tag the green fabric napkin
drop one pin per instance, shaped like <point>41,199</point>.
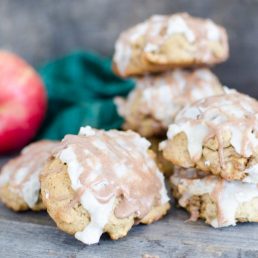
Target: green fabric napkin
<point>81,87</point>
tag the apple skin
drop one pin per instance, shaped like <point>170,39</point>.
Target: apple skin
<point>23,102</point>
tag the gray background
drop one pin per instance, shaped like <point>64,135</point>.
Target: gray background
<point>41,30</point>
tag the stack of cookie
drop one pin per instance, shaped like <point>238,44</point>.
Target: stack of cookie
<point>214,143</point>
<point>212,132</point>
<point>163,54</point>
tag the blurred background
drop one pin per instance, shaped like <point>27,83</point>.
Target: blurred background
<point>46,29</point>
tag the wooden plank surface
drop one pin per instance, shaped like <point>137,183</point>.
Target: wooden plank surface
<point>31,234</point>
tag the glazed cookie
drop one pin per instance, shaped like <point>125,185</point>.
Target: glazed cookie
<point>19,179</point>
<point>219,202</point>
<point>155,101</point>
<point>103,181</point>
<point>165,42</point>
<point>219,135</point>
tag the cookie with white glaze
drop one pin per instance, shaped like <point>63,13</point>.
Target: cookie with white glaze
<point>103,181</point>
<point>152,106</point>
<point>219,202</point>
<point>19,178</point>
<point>164,42</point>
<point>218,135</point>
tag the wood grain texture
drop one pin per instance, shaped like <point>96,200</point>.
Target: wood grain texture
<point>31,234</point>
<point>40,30</point>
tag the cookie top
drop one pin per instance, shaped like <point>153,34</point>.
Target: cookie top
<point>227,195</point>
<point>202,38</point>
<point>104,166</point>
<point>232,114</point>
<point>161,96</point>
<point>21,174</point>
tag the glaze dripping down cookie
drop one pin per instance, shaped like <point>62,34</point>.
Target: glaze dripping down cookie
<point>103,181</point>
<point>219,202</point>
<point>219,135</point>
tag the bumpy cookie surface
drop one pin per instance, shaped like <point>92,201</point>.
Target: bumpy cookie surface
<point>152,106</point>
<point>19,178</point>
<point>219,135</point>
<point>164,42</point>
<point>219,202</point>
<point>103,181</point>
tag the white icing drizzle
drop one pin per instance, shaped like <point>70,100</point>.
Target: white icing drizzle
<point>162,96</point>
<point>213,32</point>
<point>227,195</point>
<point>22,173</point>
<point>104,165</point>
<point>99,213</point>
<point>197,31</point>
<point>217,115</point>
<point>177,25</point>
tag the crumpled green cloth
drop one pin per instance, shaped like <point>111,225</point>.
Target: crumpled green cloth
<point>81,87</point>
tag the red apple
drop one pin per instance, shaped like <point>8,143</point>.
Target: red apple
<point>23,102</point>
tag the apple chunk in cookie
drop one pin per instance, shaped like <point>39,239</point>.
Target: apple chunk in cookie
<point>219,202</point>
<point>164,42</point>
<point>152,106</point>
<point>19,178</point>
<point>219,135</point>
<point>103,181</point>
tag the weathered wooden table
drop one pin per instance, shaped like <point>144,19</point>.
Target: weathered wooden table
<point>31,234</point>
